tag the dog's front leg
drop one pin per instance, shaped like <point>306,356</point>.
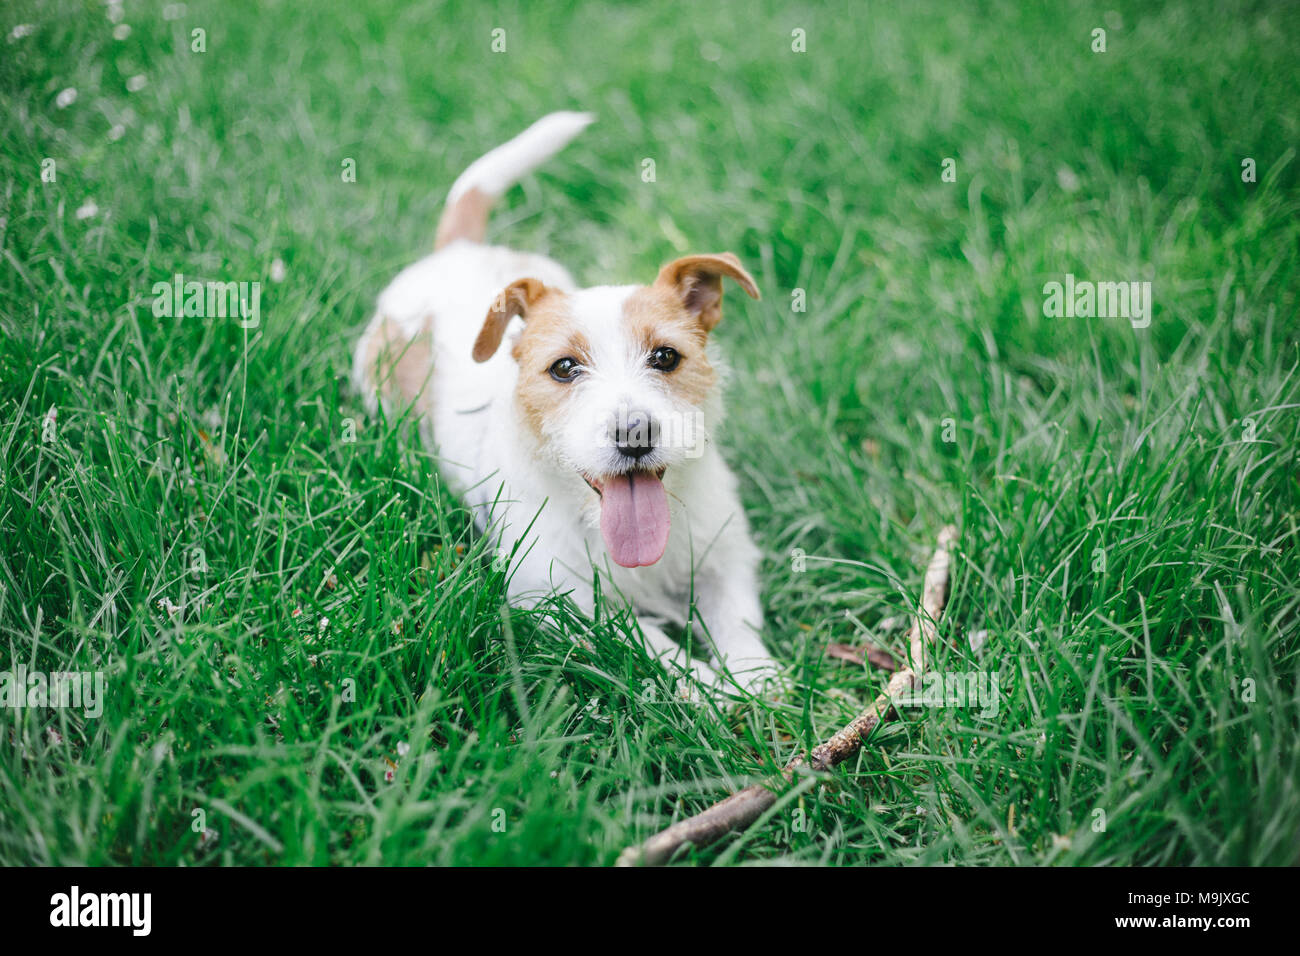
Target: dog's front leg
<point>533,580</point>
<point>670,652</point>
<point>727,602</point>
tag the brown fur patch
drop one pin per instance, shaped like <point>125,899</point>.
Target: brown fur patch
<point>466,218</point>
<point>401,367</point>
<point>518,298</point>
<point>654,316</point>
<point>548,335</point>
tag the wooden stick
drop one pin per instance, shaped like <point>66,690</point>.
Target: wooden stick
<point>741,809</point>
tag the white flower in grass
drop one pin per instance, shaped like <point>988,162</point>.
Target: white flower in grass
<point>87,210</point>
<point>20,31</point>
<point>121,31</point>
<point>66,98</point>
<point>136,83</point>
<point>115,11</point>
<point>1067,179</point>
<point>173,11</point>
<point>278,270</point>
<point>403,748</point>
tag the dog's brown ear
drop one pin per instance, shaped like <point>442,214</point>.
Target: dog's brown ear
<point>697,281</point>
<point>515,299</point>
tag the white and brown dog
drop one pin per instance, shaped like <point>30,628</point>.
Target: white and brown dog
<point>590,435</point>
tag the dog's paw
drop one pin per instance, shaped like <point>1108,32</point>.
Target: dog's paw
<point>761,679</point>
<point>703,680</point>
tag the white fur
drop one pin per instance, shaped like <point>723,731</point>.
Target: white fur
<point>500,169</point>
<point>487,454</point>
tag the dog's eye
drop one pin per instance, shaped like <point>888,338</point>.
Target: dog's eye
<point>565,370</point>
<point>664,358</point>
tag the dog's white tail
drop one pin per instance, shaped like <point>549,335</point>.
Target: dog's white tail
<point>488,177</point>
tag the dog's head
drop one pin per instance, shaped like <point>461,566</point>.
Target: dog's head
<point>615,384</point>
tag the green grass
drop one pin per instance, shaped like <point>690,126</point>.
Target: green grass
<point>1131,555</point>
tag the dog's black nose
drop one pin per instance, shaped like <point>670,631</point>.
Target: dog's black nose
<point>635,434</point>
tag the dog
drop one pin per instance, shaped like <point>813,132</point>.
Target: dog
<point>578,424</point>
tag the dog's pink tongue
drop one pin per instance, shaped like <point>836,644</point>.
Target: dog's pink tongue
<point>634,519</point>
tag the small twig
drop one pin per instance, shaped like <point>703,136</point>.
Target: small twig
<point>877,657</point>
<point>744,807</point>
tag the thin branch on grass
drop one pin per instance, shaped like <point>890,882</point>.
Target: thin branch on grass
<point>741,809</point>
<point>877,657</point>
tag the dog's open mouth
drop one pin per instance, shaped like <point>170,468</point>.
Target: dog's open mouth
<point>633,516</point>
